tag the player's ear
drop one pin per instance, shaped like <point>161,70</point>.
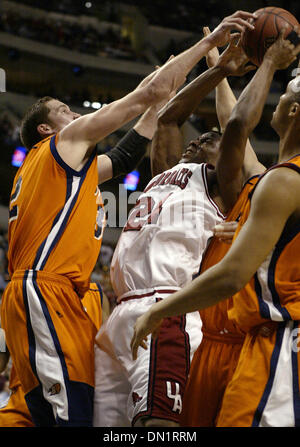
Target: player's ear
<point>44,130</point>
<point>293,109</point>
<point>294,114</point>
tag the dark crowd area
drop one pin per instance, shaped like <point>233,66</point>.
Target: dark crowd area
<point>187,15</point>
<point>84,39</point>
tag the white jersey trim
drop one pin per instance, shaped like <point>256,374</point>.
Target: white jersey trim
<point>214,204</point>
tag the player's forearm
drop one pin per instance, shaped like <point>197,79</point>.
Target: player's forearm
<point>188,99</point>
<point>147,124</point>
<point>128,152</point>
<point>244,118</point>
<point>225,102</point>
<point>205,291</point>
<point>166,148</point>
<point>187,60</point>
<point>249,107</point>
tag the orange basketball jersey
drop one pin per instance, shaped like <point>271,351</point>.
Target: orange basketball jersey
<point>56,216</point>
<point>274,291</point>
<point>13,378</point>
<point>215,318</point>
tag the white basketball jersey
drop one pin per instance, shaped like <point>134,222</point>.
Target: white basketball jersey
<point>167,231</point>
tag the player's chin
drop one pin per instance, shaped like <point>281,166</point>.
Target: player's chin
<point>184,159</point>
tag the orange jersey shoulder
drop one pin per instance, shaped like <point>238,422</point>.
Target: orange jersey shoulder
<point>274,291</point>
<point>56,216</point>
<point>215,318</point>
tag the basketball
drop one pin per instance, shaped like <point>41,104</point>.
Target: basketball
<point>267,27</point>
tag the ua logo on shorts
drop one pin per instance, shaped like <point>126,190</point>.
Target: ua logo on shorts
<point>177,397</point>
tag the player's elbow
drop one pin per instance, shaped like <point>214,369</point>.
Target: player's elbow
<point>241,120</point>
<point>155,92</point>
<point>234,279</point>
<point>237,283</point>
<point>166,123</point>
<point>237,125</point>
<point>172,114</point>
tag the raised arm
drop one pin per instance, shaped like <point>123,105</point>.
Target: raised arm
<point>225,102</point>
<point>77,140</point>
<point>127,154</point>
<point>166,149</point>
<point>262,229</point>
<point>245,116</point>
<point>129,151</point>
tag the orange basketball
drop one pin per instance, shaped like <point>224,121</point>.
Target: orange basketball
<point>267,27</point>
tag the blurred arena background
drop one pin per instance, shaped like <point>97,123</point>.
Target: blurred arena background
<point>89,53</point>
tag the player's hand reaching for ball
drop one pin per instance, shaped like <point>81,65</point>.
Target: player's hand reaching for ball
<point>146,324</point>
<point>236,22</point>
<point>283,53</point>
<point>212,56</point>
<point>234,59</point>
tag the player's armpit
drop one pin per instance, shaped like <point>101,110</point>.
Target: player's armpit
<point>252,165</point>
<point>105,169</point>
<point>78,138</point>
<point>231,159</point>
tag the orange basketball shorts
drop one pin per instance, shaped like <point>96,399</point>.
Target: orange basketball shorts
<point>212,367</point>
<point>16,413</point>
<point>264,390</point>
<point>51,341</point>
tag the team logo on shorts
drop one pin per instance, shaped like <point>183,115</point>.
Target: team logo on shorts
<point>135,398</point>
<point>55,389</point>
<point>176,396</point>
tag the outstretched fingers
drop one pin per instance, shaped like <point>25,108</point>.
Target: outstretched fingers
<point>206,31</point>
<point>225,231</point>
<point>240,24</point>
<point>245,15</point>
<point>137,341</point>
<point>144,326</point>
